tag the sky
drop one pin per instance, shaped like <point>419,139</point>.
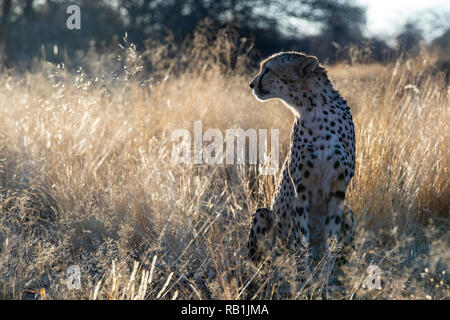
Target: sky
<point>386,17</point>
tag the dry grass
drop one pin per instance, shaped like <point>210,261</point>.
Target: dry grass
<point>86,179</point>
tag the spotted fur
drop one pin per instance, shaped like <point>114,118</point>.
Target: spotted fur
<point>308,204</point>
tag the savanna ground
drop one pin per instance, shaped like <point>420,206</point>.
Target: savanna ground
<point>86,179</point>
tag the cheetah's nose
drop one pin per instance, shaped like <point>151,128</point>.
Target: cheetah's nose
<point>252,85</point>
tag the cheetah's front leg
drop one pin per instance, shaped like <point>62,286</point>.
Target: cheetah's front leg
<point>348,227</point>
<point>258,245</point>
<point>301,231</point>
<point>346,235</point>
<point>333,221</point>
<point>334,218</point>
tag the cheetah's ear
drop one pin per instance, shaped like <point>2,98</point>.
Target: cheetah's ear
<point>307,66</point>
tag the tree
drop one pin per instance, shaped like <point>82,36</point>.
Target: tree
<point>410,38</point>
<point>38,27</point>
<point>341,21</point>
<point>4,32</point>
<point>441,45</point>
<point>34,27</point>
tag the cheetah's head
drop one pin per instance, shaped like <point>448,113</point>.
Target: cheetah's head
<point>284,76</point>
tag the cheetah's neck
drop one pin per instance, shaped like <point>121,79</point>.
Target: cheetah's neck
<point>317,108</point>
<point>313,97</point>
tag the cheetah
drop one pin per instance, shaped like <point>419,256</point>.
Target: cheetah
<point>308,208</point>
